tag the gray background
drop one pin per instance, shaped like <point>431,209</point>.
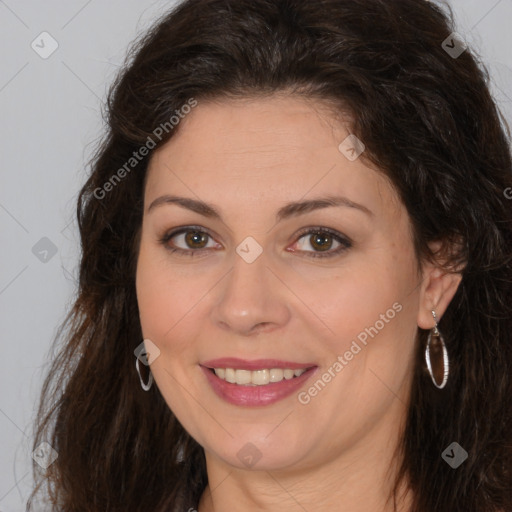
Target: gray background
<point>50,123</point>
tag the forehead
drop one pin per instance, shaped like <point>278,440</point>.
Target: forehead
<point>278,148</point>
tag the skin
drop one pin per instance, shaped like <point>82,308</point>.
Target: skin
<point>248,158</point>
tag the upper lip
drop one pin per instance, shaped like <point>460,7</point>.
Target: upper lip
<point>256,364</point>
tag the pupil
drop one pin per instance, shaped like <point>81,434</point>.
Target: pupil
<point>317,240</point>
<point>195,237</point>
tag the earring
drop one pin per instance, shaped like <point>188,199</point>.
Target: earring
<point>145,387</point>
<point>436,345</point>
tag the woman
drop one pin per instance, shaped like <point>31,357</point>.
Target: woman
<point>295,285</point>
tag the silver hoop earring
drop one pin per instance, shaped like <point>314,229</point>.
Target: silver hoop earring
<point>145,387</point>
<point>436,346</point>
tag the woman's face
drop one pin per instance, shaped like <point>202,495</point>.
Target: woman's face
<point>276,280</point>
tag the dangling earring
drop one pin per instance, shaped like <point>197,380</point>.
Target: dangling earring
<point>436,346</point>
<point>145,387</point>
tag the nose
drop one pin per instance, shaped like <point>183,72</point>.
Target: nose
<point>251,299</point>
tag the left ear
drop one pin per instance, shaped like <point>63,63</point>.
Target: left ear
<point>437,290</point>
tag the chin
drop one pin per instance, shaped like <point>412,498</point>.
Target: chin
<point>259,454</point>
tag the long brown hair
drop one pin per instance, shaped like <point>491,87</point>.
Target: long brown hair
<point>428,122</point>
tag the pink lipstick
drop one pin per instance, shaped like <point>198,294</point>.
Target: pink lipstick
<point>265,392</point>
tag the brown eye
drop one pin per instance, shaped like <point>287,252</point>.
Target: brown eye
<point>321,241</point>
<point>192,240</point>
<point>195,238</point>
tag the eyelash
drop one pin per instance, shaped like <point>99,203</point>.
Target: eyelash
<point>345,242</point>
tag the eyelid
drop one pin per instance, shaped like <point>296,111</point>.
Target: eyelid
<point>345,241</point>
<point>321,229</point>
<point>180,230</point>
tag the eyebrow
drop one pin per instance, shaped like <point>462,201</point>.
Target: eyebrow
<point>285,212</point>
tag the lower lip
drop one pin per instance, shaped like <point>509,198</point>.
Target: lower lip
<point>253,396</point>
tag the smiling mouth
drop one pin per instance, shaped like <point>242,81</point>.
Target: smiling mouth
<point>256,383</point>
<point>261,377</point>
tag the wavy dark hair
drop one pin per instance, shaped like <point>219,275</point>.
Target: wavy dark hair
<point>429,124</point>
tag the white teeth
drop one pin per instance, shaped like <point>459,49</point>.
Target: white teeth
<point>276,374</point>
<point>289,374</point>
<point>243,376</point>
<point>230,375</point>
<point>257,377</point>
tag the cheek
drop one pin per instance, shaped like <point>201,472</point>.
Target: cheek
<point>162,298</point>
<point>371,312</point>
<point>373,321</point>
<point>364,297</point>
